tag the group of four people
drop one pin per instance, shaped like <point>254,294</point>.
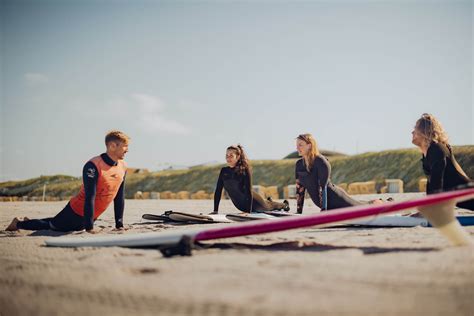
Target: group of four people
<point>104,178</point>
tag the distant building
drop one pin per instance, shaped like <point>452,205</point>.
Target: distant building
<point>167,166</point>
<point>137,170</point>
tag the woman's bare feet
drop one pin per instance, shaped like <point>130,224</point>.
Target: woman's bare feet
<point>13,225</point>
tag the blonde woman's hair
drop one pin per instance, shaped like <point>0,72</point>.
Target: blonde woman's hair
<point>116,136</point>
<point>313,153</point>
<point>430,128</point>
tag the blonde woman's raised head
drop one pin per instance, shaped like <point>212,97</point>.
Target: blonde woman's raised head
<point>431,129</point>
<point>313,151</point>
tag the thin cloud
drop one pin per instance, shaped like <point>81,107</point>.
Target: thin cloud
<point>146,110</point>
<point>36,78</point>
<point>148,104</point>
<point>151,118</point>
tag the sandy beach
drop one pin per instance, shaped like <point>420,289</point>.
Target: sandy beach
<point>313,271</point>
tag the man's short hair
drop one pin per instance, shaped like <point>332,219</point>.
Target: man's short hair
<point>116,136</point>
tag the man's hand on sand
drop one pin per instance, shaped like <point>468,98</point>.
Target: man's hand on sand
<point>92,231</point>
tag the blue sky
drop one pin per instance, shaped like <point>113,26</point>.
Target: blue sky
<point>186,79</point>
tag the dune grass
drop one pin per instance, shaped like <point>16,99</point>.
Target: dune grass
<point>390,164</point>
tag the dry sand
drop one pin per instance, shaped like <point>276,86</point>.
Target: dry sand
<point>330,271</point>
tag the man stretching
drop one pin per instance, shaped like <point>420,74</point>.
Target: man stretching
<point>103,182</point>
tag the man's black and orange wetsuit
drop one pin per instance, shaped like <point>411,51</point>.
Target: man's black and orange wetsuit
<point>103,182</point>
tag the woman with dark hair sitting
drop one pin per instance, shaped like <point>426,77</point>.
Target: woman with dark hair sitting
<point>236,178</point>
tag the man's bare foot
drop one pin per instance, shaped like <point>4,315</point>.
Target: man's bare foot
<point>13,225</point>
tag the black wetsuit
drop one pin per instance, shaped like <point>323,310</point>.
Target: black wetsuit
<point>314,181</point>
<point>67,219</point>
<point>443,172</point>
<point>239,188</point>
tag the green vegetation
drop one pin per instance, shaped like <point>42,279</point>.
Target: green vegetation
<point>58,185</point>
<point>391,164</point>
<point>401,164</point>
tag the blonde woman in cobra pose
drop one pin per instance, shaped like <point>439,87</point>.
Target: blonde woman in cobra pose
<point>313,173</point>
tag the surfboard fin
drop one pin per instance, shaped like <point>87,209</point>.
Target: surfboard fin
<point>182,248</point>
<point>442,216</point>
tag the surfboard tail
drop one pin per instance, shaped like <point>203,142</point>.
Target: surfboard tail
<point>441,216</point>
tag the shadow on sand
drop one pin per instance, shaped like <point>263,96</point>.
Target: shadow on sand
<point>50,233</point>
<point>38,233</point>
<point>307,246</point>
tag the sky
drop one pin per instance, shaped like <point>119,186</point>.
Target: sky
<point>186,79</point>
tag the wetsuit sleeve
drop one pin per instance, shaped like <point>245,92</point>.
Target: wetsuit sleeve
<point>90,175</point>
<point>248,185</point>
<point>218,192</point>
<point>119,204</point>
<point>300,192</point>
<point>324,170</point>
<point>437,163</point>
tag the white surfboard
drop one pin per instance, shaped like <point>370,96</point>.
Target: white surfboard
<point>406,221</point>
<point>244,217</point>
<point>392,221</point>
<point>201,218</point>
<point>154,217</point>
<point>280,213</point>
<point>124,240</point>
